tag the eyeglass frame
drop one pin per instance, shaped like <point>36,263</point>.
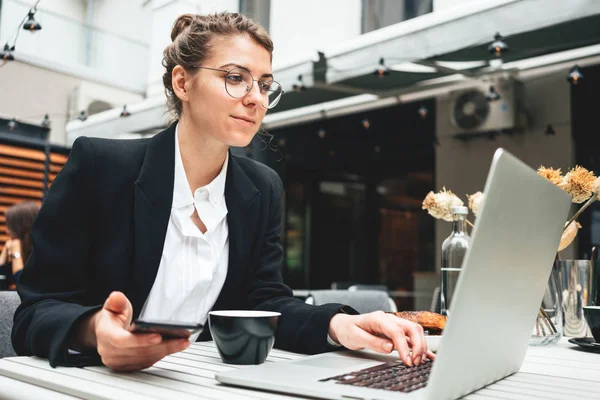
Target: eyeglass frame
<point>227,71</point>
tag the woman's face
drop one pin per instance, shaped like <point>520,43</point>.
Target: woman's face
<point>208,106</point>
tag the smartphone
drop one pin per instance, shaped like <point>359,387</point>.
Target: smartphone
<point>167,329</point>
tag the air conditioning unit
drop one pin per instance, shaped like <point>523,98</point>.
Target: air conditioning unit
<point>469,112</point>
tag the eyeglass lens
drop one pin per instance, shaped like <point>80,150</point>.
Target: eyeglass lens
<point>238,83</point>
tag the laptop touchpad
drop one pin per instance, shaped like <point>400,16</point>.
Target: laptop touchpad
<point>335,362</point>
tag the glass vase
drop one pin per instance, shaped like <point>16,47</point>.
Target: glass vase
<point>548,324</point>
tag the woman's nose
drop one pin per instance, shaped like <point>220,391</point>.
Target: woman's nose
<point>254,96</point>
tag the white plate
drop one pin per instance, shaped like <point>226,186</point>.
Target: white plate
<point>433,342</point>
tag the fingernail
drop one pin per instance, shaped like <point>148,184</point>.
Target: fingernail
<point>424,358</point>
<point>408,361</point>
<point>387,346</point>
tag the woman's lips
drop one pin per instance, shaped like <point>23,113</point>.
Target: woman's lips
<point>243,120</point>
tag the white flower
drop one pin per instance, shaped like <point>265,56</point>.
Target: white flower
<point>439,205</point>
<point>476,202</point>
<point>596,188</point>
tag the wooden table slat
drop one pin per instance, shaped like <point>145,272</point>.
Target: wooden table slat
<point>500,394</point>
<point>552,382</point>
<point>55,380</point>
<point>136,382</point>
<point>534,390</point>
<point>11,389</point>
<point>217,363</point>
<point>180,372</point>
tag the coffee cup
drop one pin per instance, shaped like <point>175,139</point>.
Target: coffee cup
<point>243,336</point>
<point>592,317</point>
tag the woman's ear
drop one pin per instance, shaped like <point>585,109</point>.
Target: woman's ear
<point>179,76</point>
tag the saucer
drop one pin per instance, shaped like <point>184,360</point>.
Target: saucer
<point>586,343</point>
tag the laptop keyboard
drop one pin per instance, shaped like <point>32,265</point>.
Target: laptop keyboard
<point>394,376</point>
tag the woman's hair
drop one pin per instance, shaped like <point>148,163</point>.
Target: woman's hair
<point>193,38</point>
<point>19,219</point>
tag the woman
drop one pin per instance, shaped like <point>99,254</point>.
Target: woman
<point>17,249</point>
<point>174,226</point>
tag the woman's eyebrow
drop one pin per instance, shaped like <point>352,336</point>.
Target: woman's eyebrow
<point>245,69</point>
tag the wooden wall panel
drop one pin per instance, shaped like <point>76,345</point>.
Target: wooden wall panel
<point>26,171</point>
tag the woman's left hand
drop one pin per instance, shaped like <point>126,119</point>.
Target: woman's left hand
<point>381,332</point>
<point>14,246</point>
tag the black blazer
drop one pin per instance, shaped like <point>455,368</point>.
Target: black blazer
<point>102,228</point>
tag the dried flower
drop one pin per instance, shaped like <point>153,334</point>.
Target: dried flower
<point>569,235</point>
<point>553,175</point>
<point>439,205</point>
<point>579,183</point>
<point>597,188</point>
<point>475,202</point>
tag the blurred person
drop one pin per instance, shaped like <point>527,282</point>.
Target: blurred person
<point>16,251</point>
<point>174,226</point>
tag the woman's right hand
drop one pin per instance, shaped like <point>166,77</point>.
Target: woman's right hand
<point>121,350</point>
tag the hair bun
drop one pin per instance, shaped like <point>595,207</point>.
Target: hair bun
<point>182,22</point>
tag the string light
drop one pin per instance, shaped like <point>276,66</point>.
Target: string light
<point>82,116</point>
<point>31,25</point>
<point>575,75</point>
<point>423,111</point>
<point>366,123</point>
<point>46,122</point>
<point>28,23</point>
<point>12,124</point>
<point>125,113</point>
<point>299,86</point>
<point>497,47</point>
<point>321,133</point>
<point>382,69</point>
<point>6,54</point>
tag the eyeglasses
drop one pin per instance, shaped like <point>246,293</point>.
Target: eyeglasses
<point>239,82</point>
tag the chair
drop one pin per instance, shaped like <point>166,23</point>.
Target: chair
<point>341,285</point>
<point>367,286</point>
<point>363,301</point>
<point>9,301</point>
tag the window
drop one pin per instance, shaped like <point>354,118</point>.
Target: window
<point>258,10</point>
<point>377,14</point>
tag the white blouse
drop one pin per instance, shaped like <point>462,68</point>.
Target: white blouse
<point>193,266</point>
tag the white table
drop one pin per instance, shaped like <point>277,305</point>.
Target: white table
<point>552,372</point>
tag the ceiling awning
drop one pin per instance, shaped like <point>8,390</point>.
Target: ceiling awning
<point>455,41</point>
<point>434,50</point>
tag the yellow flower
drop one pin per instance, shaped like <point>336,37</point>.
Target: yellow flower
<point>553,175</point>
<point>439,205</point>
<point>579,183</point>
<point>475,202</point>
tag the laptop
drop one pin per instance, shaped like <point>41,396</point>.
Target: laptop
<point>498,294</point>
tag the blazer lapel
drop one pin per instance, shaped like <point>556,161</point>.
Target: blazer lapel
<point>243,211</point>
<point>153,197</point>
